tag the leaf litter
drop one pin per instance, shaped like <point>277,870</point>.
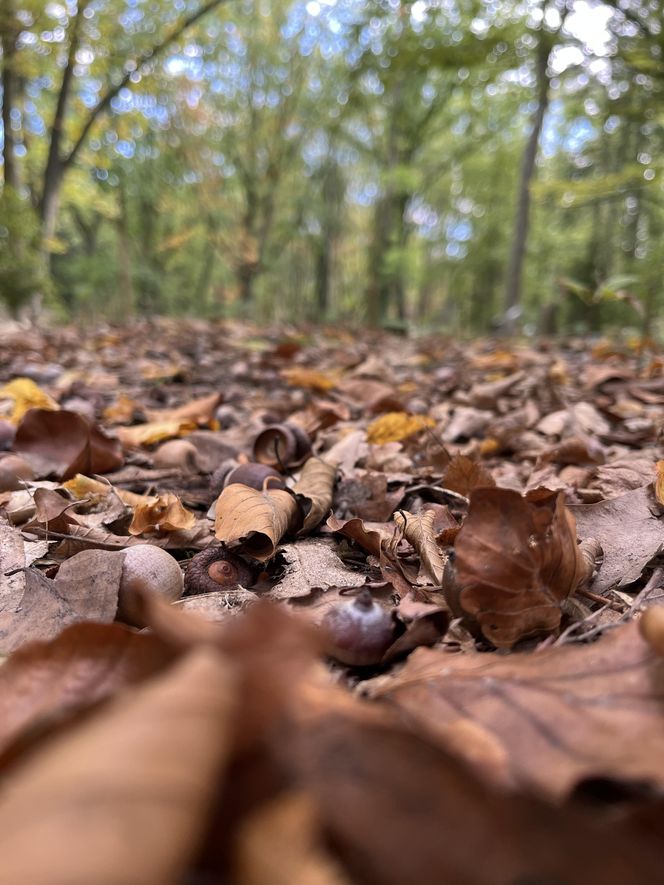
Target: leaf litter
<point>502,510</point>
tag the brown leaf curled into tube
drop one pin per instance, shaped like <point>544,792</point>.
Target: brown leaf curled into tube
<point>315,491</point>
<point>516,560</point>
<point>259,520</point>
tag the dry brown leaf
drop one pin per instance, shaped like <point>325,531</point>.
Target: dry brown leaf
<point>464,475</point>
<point>257,520</point>
<point>85,589</point>
<point>550,719</point>
<point>165,513</point>
<point>64,443</point>
<point>198,411</point>
<point>43,682</point>
<point>516,560</point>
<point>124,797</point>
<point>418,529</point>
<point>370,540</point>
<point>630,530</point>
<point>314,490</point>
<point>311,564</point>
<point>399,809</point>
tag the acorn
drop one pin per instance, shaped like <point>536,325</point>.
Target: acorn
<point>254,476</point>
<point>359,632</point>
<point>217,569</point>
<point>282,445</point>
<point>14,471</point>
<point>150,569</point>
<point>179,453</point>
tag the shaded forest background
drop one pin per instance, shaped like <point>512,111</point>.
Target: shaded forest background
<point>461,165</point>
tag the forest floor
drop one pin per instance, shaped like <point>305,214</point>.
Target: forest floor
<point>460,674</point>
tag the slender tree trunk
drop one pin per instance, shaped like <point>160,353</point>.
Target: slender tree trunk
<point>127,301</point>
<point>514,275</point>
<point>8,102</point>
<point>323,267</point>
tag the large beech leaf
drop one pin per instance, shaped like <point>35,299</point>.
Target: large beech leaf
<point>545,720</point>
<point>86,663</point>
<point>315,489</point>
<point>517,559</point>
<point>257,520</point>
<point>64,443</point>
<point>123,798</point>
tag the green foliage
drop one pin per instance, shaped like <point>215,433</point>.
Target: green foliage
<point>22,271</point>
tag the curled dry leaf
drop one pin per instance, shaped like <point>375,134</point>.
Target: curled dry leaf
<point>165,513</point>
<point>370,540</point>
<point>125,796</point>
<point>314,490</point>
<point>419,530</point>
<point>516,560</point>
<point>64,443</point>
<point>256,520</point>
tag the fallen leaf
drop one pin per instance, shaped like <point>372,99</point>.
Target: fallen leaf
<point>257,520</point>
<point>314,491</point>
<point>85,589</point>
<point>464,475</point>
<point>44,682</point>
<point>198,411</point>
<point>419,530</point>
<point>516,560</point>
<point>630,530</point>
<point>123,797</point>
<point>311,564</point>
<point>153,432</point>
<point>551,718</point>
<point>165,513</point>
<point>308,378</point>
<point>25,395</point>
<point>64,443</point>
<point>659,482</point>
<point>396,426</point>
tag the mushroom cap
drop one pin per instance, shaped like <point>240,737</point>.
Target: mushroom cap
<point>150,569</point>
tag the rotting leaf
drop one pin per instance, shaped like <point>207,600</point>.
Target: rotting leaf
<point>516,560</point>
<point>257,520</point>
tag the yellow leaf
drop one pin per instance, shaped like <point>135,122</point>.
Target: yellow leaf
<point>659,482</point>
<point>122,410</point>
<point>165,513</point>
<point>395,426</point>
<point>309,379</point>
<point>154,432</point>
<point>26,395</point>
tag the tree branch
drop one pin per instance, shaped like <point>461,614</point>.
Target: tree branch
<point>139,64</point>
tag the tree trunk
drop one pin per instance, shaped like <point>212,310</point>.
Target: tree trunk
<point>514,275</point>
<point>8,99</point>
<point>323,267</point>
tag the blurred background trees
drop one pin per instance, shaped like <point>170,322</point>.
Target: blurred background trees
<point>466,165</point>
